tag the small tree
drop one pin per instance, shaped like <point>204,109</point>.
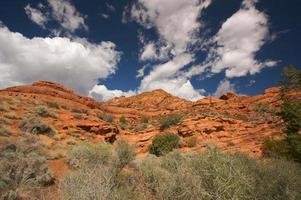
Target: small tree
<point>291,109</point>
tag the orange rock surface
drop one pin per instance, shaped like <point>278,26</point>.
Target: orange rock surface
<point>232,122</point>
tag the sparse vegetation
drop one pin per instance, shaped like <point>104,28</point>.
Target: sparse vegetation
<point>77,116</point>
<point>123,122</point>
<point>263,108</point>
<point>105,117</point>
<point>4,131</point>
<point>140,127</point>
<point>144,120</point>
<point>125,153</point>
<point>23,169</point>
<point>42,111</point>
<point>32,124</point>
<point>53,104</point>
<point>192,141</point>
<point>89,154</point>
<point>77,110</point>
<point>164,143</point>
<point>206,175</point>
<point>169,121</point>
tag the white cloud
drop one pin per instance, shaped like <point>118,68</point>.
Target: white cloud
<point>176,21</point>
<point>140,72</point>
<point>102,93</point>
<point>36,15</point>
<point>67,15</point>
<point>223,87</point>
<point>75,63</point>
<point>110,7</point>
<point>105,16</point>
<point>149,52</point>
<point>61,11</point>
<point>165,76</point>
<point>238,40</point>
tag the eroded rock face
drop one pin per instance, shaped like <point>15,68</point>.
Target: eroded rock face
<point>232,122</point>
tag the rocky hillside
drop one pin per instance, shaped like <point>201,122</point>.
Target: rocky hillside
<point>231,122</point>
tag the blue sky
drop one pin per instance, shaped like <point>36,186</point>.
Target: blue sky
<point>189,48</point>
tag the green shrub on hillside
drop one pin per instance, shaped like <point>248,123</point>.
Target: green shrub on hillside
<point>169,121</point>
<point>164,143</point>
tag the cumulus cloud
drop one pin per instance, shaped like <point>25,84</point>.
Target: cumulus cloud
<point>61,11</point>
<point>223,87</point>
<point>238,40</point>
<point>176,21</point>
<point>67,15</point>
<point>36,15</point>
<point>75,63</point>
<point>102,93</point>
<point>178,25</point>
<point>165,76</point>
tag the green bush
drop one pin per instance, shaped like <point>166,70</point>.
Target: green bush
<point>23,168</point>
<point>105,117</point>
<point>32,124</point>
<point>169,121</point>
<point>164,143</point>
<point>122,120</point>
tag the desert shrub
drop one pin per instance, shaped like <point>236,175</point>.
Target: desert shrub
<point>263,108</point>
<point>3,106</point>
<point>144,119</point>
<point>169,121</point>
<point>164,143</point>
<point>4,131</point>
<point>53,104</point>
<point>23,168</point>
<point>88,183</point>
<point>216,175</point>
<point>89,154</point>
<point>32,124</point>
<point>191,142</point>
<point>125,153</point>
<point>77,110</point>
<point>122,120</point>
<point>42,111</point>
<point>77,116</point>
<point>140,127</point>
<point>106,117</point>
<point>276,148</point>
